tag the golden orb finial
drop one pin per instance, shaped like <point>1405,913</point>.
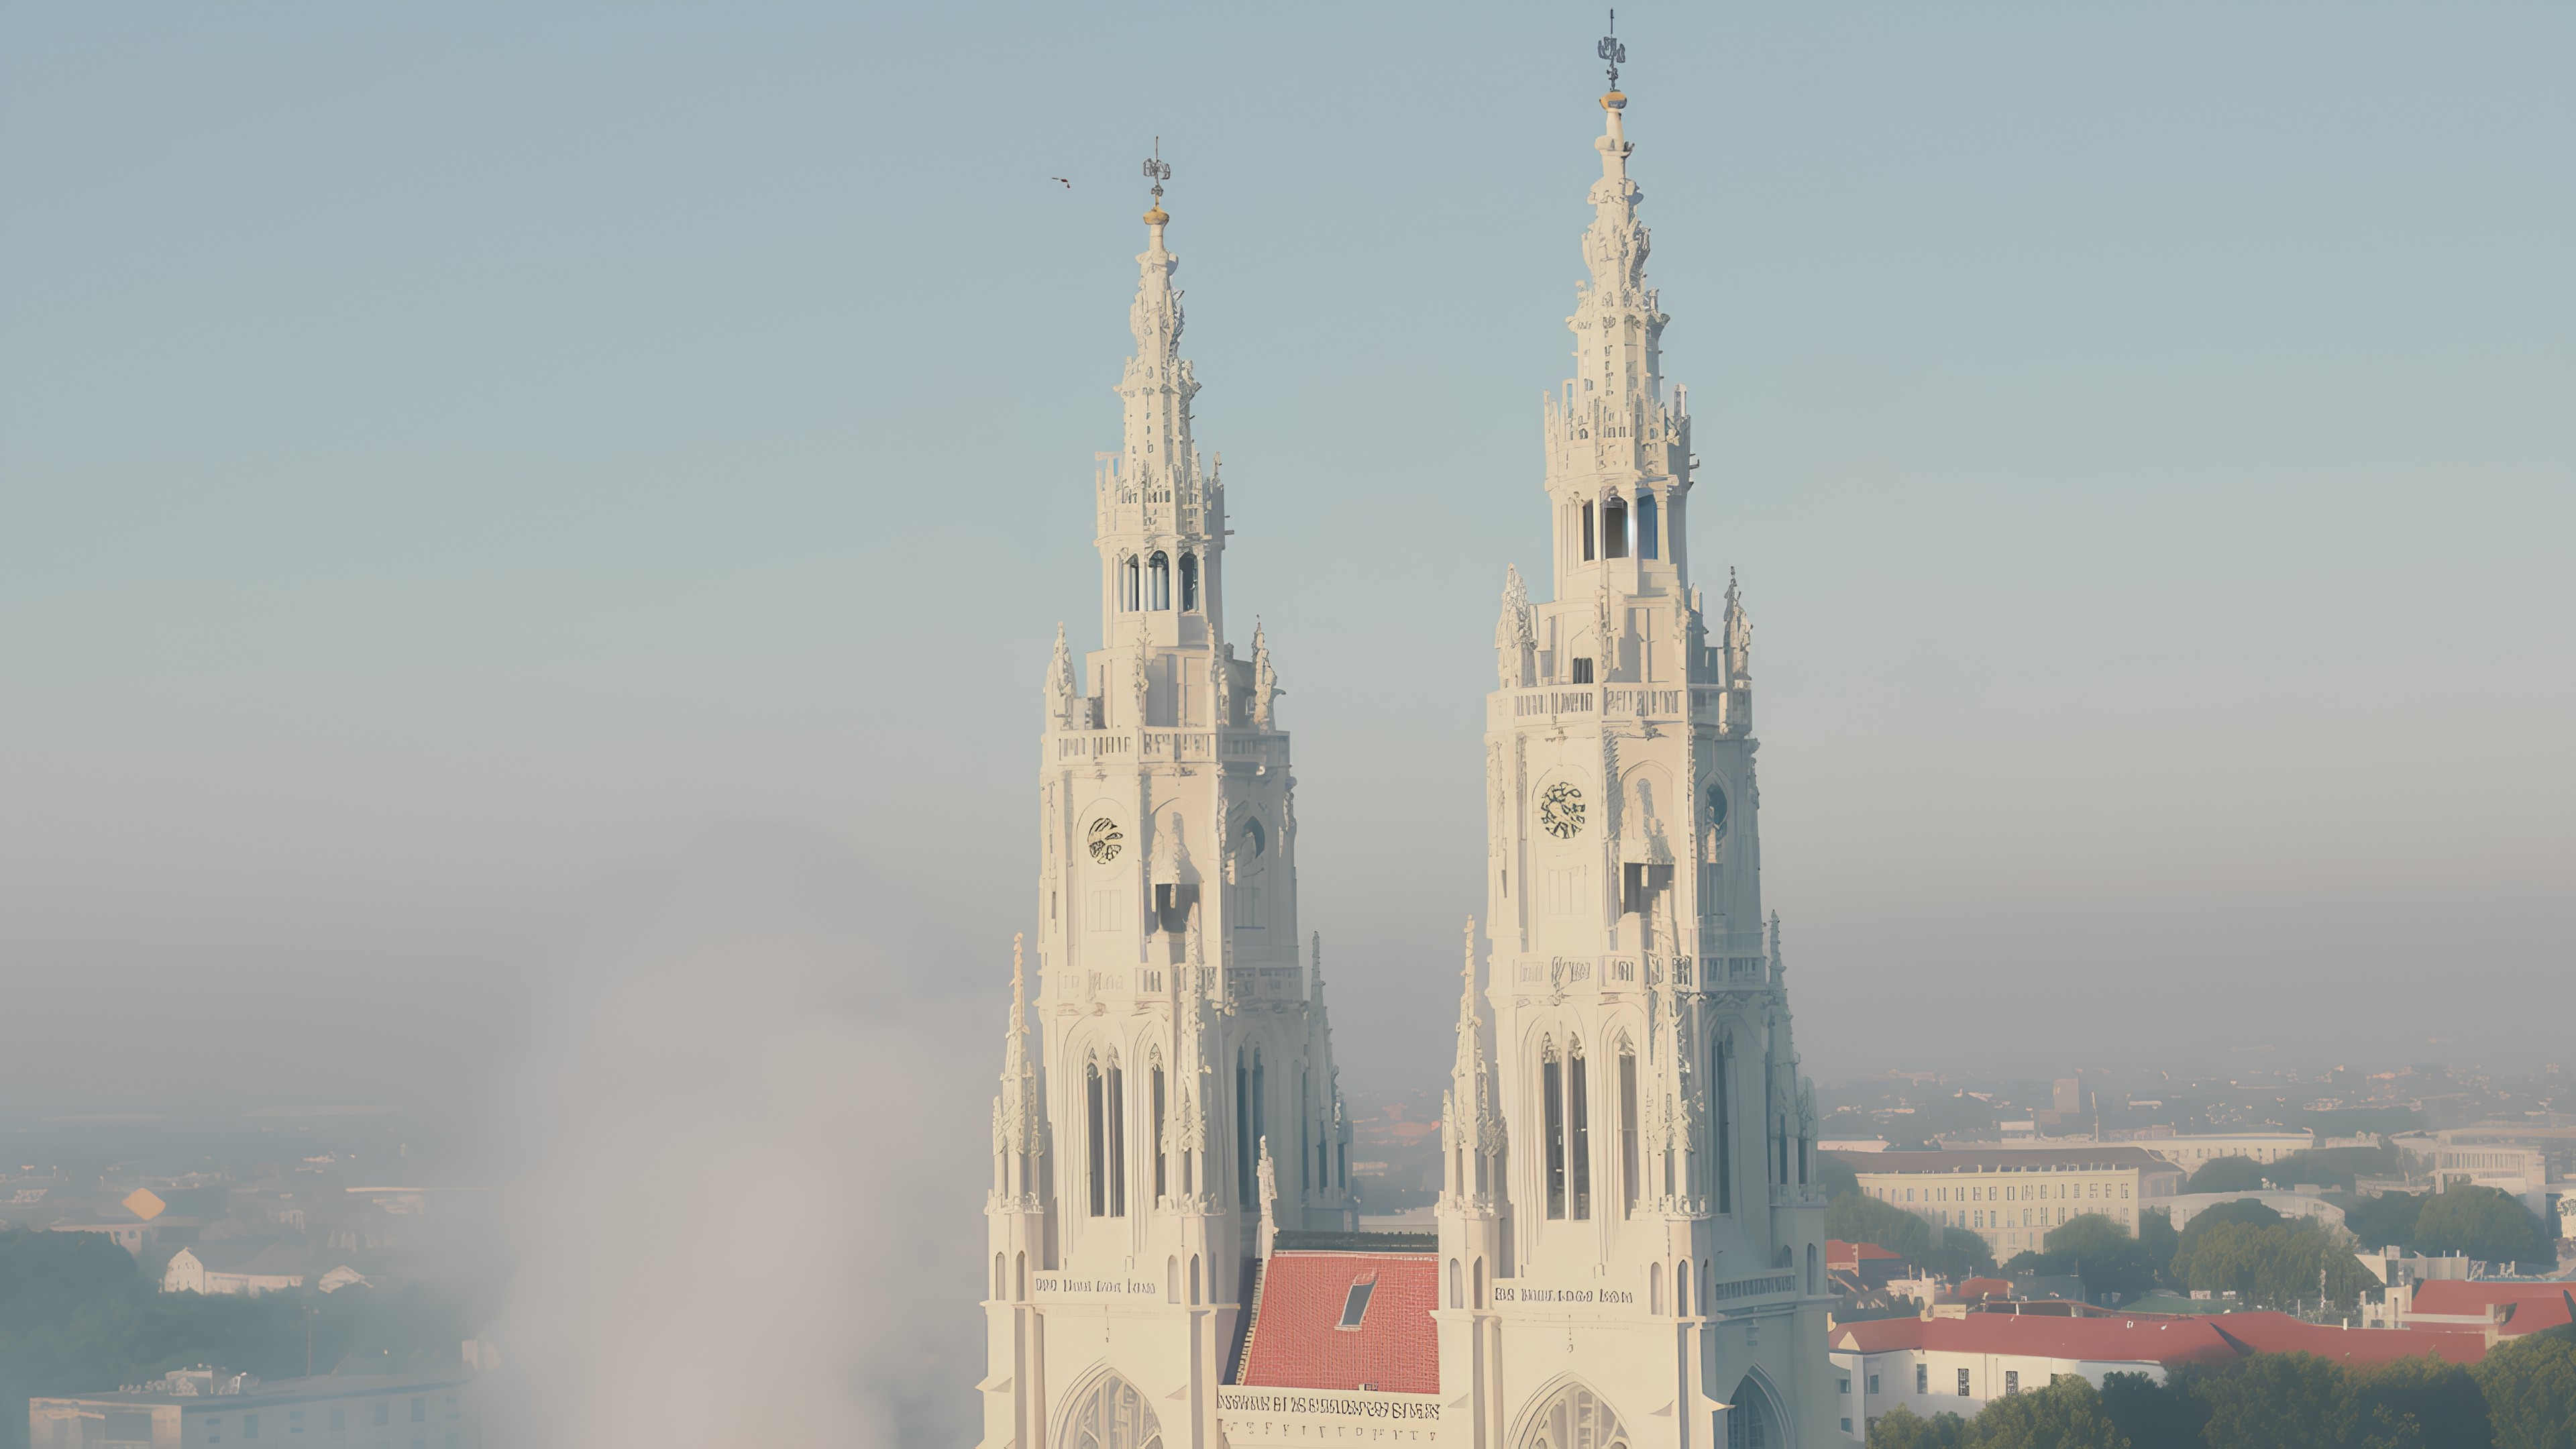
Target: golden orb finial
<point>1613,101</point>
<point>1157,216</point>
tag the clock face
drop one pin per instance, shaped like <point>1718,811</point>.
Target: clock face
<point>1560,810</point>
<point>1106,840</point>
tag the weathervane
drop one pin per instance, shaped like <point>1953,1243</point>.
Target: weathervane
<point>1612,51</point>
<point>1158,170</point>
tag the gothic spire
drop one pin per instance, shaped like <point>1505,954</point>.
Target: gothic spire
<point>1159,383</point>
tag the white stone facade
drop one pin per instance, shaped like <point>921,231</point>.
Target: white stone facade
<point>1630,1239</point>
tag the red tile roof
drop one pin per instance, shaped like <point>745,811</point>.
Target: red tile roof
<point>1977,1290</point>
<point>2535,1305</point>
<point>1298,1343</point>
<point>2168,1340</point>
<point>1847,1256</point>
<point>2268,1332</point>
<point>2165,1341</point>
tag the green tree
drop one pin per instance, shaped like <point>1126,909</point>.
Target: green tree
<point>2153,1415</point>
<point>2227,1174</point>
<point>2156,1234</point>
<point>2278,1266</point>
<point>2441,1399</point>
<point>2530,1389</point>
<point>2097,1249</point>
<point>1902,1428</point>
<point>2295,1401</point>
<point>2209,1220</point>
<point>2481,1222</point>
<point>2065,1415</point>
<point>1956,1254</point>
<point>2386,1220</point>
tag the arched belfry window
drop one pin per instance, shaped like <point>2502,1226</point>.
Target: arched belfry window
<point>1158,581</point>
<point>1614,527</point>
<point>1131,587</point>
<point>1251,845</point>
<point>1650,541</point>
<point>1189,583</point>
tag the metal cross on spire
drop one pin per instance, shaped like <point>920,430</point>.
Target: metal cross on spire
<point>1158,170</point>
<point>1612,51</point>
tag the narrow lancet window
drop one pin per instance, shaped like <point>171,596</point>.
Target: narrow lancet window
<point>1649,527</point>
<point>1096,1140</point>
<point>1243,1145</point>
<point>1116,1114</point>
<point>1723,1076</point>
<point>1587,533</point>
<point>1158,579</point>
<point>1628,1164</point>
<point>1552,1093</point>
<point>1614,528</point>
<point>1189,583</point>
<point>1578,1117</point>
<point>1131,593</point>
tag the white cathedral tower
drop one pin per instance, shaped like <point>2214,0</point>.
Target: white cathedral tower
<point>1185,1074</point>
<point>1629,1241</point>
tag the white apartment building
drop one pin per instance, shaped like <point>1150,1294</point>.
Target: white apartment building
<point>2192,1151</point>
<point>211,1406</point>
<point>2012,1196</point>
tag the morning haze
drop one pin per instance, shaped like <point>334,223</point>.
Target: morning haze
<point>530,543</point>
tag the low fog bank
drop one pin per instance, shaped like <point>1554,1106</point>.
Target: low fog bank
<point>747,1158</point>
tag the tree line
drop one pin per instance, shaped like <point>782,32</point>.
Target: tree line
<point>79,1316</point>
<point>2522,1395</point>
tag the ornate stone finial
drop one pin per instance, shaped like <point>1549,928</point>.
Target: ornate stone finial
<point>1739,637</point>
<point>1515,633</point>
<point>1265,680</point>
<point>1269,1198</point>
<point>1060,686</point>
<point>1467,978</point>
<point>1315,948</point>
<point>1143,681</point>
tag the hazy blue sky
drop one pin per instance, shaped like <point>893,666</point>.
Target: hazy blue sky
<point>453,458</point>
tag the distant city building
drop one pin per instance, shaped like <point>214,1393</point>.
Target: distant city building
<point>2011,1196</point>
<point>1955,1365</point>
<point>2473,1157</point>
<point>132,1237</point>
<point>247,1275</point>
<point>208,1405</point>
<point>2194,1150</point>
<point>2184,1206</point>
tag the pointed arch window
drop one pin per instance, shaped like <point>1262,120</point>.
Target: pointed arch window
<point>1578,1124</point>
<point>1614,527</point>
<point>1628,1163</point>
<point>1650,532</point>
<point>1587,531</point>
<point>1131,587</point>
<point>1551,1078</point>
<point>1243,1148</point>
<point>1158,581</point>
<point>1722,1074</point>
<point>1096,1137</point>
<point>1189,583</point>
